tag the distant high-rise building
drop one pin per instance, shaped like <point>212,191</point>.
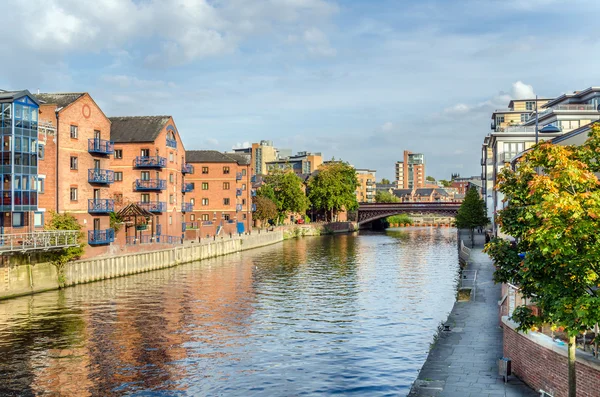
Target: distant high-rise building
<point>410,173</point>
<point>261,153</point>
<point>365,192</point>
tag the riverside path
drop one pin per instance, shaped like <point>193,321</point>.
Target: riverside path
<point>464,361</point>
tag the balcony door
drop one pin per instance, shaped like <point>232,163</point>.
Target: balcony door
<point>96,223</point>
<point>96,134</point>
<point>96,164</point>
<point>96,194</point>
<point>145,175</point>
<point>145,152</point>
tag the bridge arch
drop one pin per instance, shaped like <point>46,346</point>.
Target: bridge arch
<point>372,212</point>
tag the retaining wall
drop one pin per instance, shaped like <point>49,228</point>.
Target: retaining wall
<point>28,279</point>
<point>542,363</point>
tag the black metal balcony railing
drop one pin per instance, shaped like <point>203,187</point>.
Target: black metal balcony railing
<point>172,143</point>
<point>187,169</point>
<point>153,206</point>
<point>238,207</point>
<point>238,192</point>
<point>253,207</point>
<point>238,176</point>
<point>187,207</point>
<point>99,237</point>
<point>97,175</point>
<point>101,206</point>
<point>253,178</point>
<point>150,162</point>
<point>187,187</point>
<point>150,184</point>
<point>100,146</point>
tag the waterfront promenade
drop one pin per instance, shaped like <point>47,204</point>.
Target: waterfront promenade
<point>464,361</point>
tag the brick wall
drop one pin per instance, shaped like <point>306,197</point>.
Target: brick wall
<point>546,367</point>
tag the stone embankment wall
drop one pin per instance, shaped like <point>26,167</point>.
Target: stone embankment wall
<point>27,278</point>
<point>542,363</point>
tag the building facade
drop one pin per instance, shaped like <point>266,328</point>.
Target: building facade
<point>365,192</point>
<point>301,163</point>
<point>410,173</point>
<point>221,192</point>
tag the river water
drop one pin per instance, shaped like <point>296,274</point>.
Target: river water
<point>348,315</point>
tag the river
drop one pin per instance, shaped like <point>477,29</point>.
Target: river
<point>347,314</point>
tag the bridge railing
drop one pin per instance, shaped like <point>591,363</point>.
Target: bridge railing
<point>46,240</point>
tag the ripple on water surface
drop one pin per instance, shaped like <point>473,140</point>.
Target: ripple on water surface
<point>349,315</point>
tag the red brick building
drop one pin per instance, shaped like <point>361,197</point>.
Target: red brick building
<point>74,172</point>
<point>149,167</point>
<point>221,192</point>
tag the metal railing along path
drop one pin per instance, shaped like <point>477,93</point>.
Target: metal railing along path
<point>46,240</point>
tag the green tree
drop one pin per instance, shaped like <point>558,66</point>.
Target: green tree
<point>61,257</point>
<point>266,191</point>
<point>288,192</point>
<point>385,181</point>
<point>445,183</point>
<point>430,179</point>
<point>553,211</point>
<point>472,213</point>
<point>333,188</point>
<point>265,208</point>
<point>383,196</point>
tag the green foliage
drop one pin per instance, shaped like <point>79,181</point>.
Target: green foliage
<point>445,183</point>
<point>266,191</point>
<point>553,212</point>
<point>333,188</point>
<point>472,212</point>
<point>430,179</point>
<point>265,208</point>
<point>61,257</point>
<point>288,192</point>
<point>115,221</point>
<point>385,181</point>
<point>306,219</point>
<point>383,196</point>
<point>399,219</point>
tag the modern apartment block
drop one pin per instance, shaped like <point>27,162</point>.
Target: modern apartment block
<point>260,154</point>
<point>365,192</point>
<point>564,114</point>
<point>410,173</point>
<point>19,111</point>
<point>74,166</point>
<point>301,163</point>
<point>519,111</point>
<point>220,189</point>
<point>148,163</point>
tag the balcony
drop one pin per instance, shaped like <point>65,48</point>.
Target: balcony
<point>101,206</point>
<point>238,176</point>
<point>238,207</point>
<point>187,187</point>
<point>100,146</point>
<point>370,189</point>
<point>238,192</point>
<point>253,207</point>
<point>150,162</point>
<point>370,183</point>
<point>187,169</point>
<point>189,226</point>
<point>253,178</point>
<point>153,206</point>
<point>150,184</point>
<point>101,237</point>
<point>574,107</point>
<point>187,207</point>
<point>172,143</point>
<point>253,193</point>
<point>97,175</point>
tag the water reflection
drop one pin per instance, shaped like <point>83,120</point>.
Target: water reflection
<point>345,314</point>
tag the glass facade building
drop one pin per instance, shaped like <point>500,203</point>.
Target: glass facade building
<point>19,154</point>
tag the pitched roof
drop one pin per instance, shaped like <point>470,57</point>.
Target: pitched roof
<point>402,192</point>
<point>241,158</point>
<point>9,96</point>
<point>429,191</point>
<point>207,156</point>
<point>60,99</point>
<point>136,128</point>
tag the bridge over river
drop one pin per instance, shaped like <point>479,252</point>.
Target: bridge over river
<point>368,212</point>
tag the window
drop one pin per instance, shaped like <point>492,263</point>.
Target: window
<point>243,201</point>
<point>170,220</point>
<point>524,117</point>
<point>171,158</point>
<point>97,134</point>
<point>73,194</point>
<point>226,201</point>
<point>18,219</point>
<point>73,162</point>
<point>192,217</point>
<point>530,105</point>
<point>192,201</point>
<point>118,197</point>
<point>41,185</point>
<point>204,185</point>
<point>499,120</point>
<point>244,216</point>
<point>96,223</point>
<point>204,201</point>
<point>226,217</point>
<point>41,151</point>
<point>205,170</point>
<point>38,219</point>
<point>145,198</point>
<point>118,176</point>
<point>243,171</point>
<point>171,178</point>
<point>145,175</point>
<point>225,185</point>
<point>243,186</point>
<point>145,152</point>
<point>74,131</point>
<point>226,170</point>
<point>118,153</point>
<point>205,217</point>
<point>171,199</point>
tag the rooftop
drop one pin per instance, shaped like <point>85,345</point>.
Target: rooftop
<point>208,156</point>
<point>242,159</point>
<point>136,128</point>
<point>9,96</point>
<point>60,99</point>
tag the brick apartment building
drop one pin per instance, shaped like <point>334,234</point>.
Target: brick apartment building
<point>74,163</point>
<point>149,167</point>
<point>221,190</point>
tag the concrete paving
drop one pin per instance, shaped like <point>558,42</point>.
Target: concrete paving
<point>464,361</point>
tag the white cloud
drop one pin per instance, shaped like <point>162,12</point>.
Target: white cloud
<point>387,127</point>
<point>521,90</point>
<point>317,43</point>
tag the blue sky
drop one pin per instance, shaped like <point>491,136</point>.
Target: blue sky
<point>357,80</point>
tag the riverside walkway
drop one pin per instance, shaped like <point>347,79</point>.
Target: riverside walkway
<point>464,361</point>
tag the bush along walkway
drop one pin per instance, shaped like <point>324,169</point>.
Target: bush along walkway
<point>464,360</point>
